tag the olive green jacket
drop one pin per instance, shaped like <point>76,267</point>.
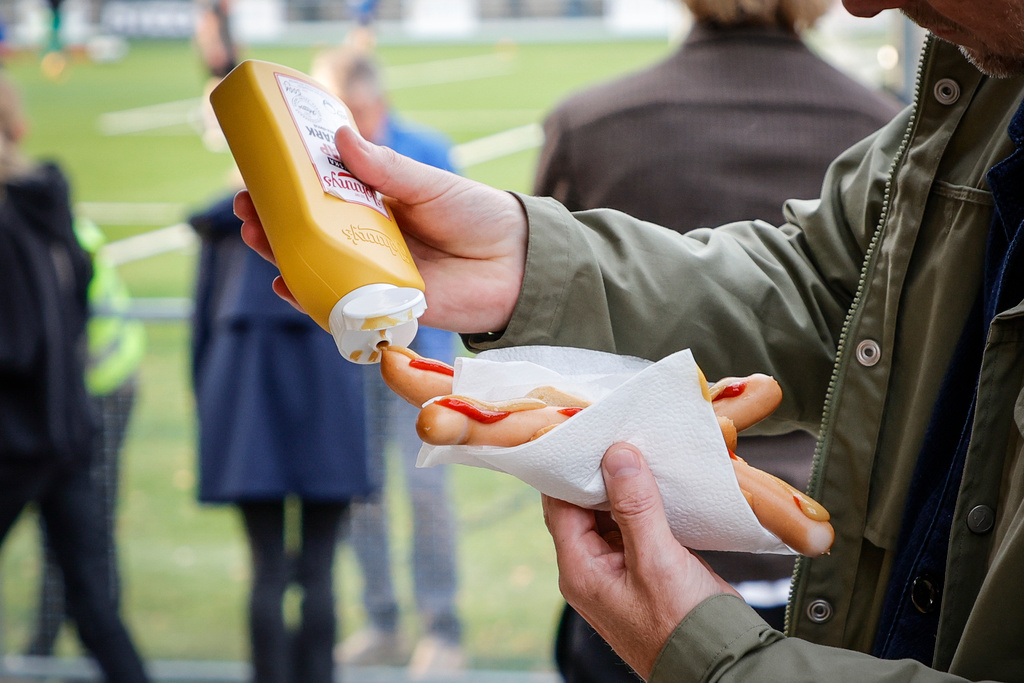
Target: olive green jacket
<point>856,305</point>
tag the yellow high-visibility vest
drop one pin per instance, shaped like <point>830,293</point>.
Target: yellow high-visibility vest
<point>116,342</point>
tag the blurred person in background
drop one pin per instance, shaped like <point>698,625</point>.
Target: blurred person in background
<point>355,78</point>
<point>362,36</point>
<point>5,49</point>
<point>281,422</point>
<point>54,61</point>
<point>740,118</point>
<point>215,43</point>
<point>281,438</point>
<point>54,43</point>
<point>47,423</point>
<point>116,345</point>
<point>214,38</point>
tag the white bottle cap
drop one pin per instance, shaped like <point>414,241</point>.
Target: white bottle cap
<point>373,315</point>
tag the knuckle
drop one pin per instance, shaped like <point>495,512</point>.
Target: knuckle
<point>389,159</point>
<point>634,504</point>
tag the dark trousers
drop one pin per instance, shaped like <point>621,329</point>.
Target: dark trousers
<point>114,412</point>
<point>307,655</point>
<point>68,506</point>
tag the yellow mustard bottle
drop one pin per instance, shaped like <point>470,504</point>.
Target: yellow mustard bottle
<point>336,241</point>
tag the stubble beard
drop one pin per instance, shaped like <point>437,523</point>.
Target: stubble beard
<point>1002,60</point>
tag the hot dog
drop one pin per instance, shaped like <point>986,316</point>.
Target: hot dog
<point>413,377</point>
<point>417,379</point>
<point>797,519</point>
<point>446,419</point>
<point>463,421</point>
<point>745,400</point>
<point>738,404</point>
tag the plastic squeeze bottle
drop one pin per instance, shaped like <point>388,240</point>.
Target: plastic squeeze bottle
<point>335,240</point>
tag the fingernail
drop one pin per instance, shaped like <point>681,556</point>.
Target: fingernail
<point>622,462</point>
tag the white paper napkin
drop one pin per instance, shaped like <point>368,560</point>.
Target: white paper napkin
<point>659,407</point>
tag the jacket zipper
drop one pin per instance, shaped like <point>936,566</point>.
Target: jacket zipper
<point>826,417</point>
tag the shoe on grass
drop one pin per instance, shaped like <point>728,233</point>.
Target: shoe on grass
<point>372,646</point>
<point>433,655</point>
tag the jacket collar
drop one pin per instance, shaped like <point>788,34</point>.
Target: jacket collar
<point>706,32</point>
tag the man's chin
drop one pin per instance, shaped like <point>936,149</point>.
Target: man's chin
<point>997,66</point>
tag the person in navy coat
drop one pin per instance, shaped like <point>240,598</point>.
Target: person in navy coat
<point>281,427</point>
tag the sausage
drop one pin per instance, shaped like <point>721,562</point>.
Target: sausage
<point>745,400</point>
<point>413,377</point>
<point>797,519</point>
<point>464,421</point>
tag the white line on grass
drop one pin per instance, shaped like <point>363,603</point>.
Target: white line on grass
<point>150,117</point>
<point>499,145</point>
<point>152,243</point>
<point>453,70</point>
<point>437,72</point>
<point>131,213</point>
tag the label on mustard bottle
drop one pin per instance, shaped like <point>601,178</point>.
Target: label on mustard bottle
<point>316,116</point>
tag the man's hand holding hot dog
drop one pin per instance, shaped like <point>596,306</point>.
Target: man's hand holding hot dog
<point>468,239</point>
<point>629,578</point>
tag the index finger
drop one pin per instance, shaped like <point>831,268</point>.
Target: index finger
<point>252,229</point>
<point>574,531</point>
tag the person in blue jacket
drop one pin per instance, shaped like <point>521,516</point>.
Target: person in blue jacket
<point>281,437</point>
<point>354,76</point>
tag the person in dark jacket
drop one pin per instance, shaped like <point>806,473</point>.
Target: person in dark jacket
<point>740,118</point>
<point>281,437</point>
<point>116,346</point>
<point>46,420</point>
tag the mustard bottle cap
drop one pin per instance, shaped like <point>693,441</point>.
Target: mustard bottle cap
<point>374,315</point>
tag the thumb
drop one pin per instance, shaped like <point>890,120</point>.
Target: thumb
<point>361,157</point>
<point>635,501</point>
<point>388,172</point>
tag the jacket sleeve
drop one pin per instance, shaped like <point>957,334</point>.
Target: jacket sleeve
<point>746,297</point>
<point>724,640</point>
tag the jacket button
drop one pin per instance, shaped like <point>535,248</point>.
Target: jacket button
<point>925,593</point>
<point>819,611</point>
<point>946,91</point>
<point>980,519</point>
<point>868,353</point>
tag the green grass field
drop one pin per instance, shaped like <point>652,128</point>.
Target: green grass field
<point>185,566</point>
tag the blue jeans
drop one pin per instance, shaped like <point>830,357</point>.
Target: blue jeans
<point>392,421</point>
